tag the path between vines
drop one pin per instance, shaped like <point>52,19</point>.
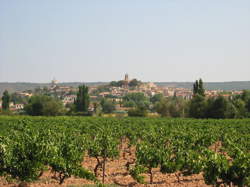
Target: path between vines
<point>116,173</point>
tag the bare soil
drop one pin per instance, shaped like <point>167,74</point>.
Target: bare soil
<point>116,173</point>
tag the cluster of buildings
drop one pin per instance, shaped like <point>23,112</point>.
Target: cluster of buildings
<point>14,107</point>
<point>149,89</point>
<point>68,94</point>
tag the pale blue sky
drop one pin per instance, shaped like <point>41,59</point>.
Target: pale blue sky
<point>101,40</point>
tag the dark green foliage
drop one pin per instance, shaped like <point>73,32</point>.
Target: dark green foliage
<point>217,108</point>
<point>82,100</point>
<point>198,88</point>
<point>41,105</point>
<point>136,99</point>
<point>241,108</point>
<point>246,98</point>
<point>117,83</point>
<point>197,107</point>
<point>231,111</point>
<point>5,100</point>
<point>134,83</point>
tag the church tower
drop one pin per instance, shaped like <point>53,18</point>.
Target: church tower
<point>126,81</point>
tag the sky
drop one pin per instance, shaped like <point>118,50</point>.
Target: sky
<point>151,40</point>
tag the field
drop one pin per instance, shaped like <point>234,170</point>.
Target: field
<point>81,151</point>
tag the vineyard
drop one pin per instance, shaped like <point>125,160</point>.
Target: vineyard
<point>146,151</point>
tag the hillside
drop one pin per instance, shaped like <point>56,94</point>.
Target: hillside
<point>227,86</point>
<point>21,86</point>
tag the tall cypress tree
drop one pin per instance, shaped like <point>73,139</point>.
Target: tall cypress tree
<point>195,87</point>
<point>82,99</point>
<point>5,100</point>
<point>198,88</point>
<point>201,89</point>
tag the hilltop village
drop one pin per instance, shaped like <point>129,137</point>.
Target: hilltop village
<point>115,91</point>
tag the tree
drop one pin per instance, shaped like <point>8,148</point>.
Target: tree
<point>195,87</point>
<point>198,88</point>
<point>108,106</point>
<point>217,108</point>
<point>41,105</point>
<point>138,99</point>
<point>156,98</point>
<point>161,108</point>
<point>241,108</point>
<point>117,83</point>
<point>201,89</point>
<point>177,107</point>
<point>172,107</point>
<point>82,100</point>
<point>5,100</point>
<point>246,98</point>
<point>231,111</point>
<point>134,83</point>
<point>197,107</point>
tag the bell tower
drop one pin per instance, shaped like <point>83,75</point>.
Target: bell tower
<point>126,81</point>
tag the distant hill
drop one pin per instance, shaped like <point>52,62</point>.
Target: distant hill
<point>227,86</point>
<point>22,86</point>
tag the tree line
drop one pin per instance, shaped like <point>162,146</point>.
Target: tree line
<point>200,106</point>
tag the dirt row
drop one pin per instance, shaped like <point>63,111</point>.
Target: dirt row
<point>116,173</point>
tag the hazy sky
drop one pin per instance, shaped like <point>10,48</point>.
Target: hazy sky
<point>101,40</point>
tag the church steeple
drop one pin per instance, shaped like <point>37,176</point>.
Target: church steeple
<point>126,77</point>
<point>126,81</point>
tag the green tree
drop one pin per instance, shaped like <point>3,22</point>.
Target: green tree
<point>197,107</point>
<point>5,100</point>
<point>198,88</point>
<point>82,100</point>
<point>117,83</point>
<point>156,98</point>
<point>241,108</point>
<point>162,108</point>
<point>107,105</point>
<point>139,99</point>
<point>134,83</point>
<point>172,107</point>
<point>246,98</point>
<point>195,87</point>
<point>217,108</point>
<point>231,111</point>
<point>41,105</point>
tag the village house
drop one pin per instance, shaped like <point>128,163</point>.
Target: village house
<point>69,99</point>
